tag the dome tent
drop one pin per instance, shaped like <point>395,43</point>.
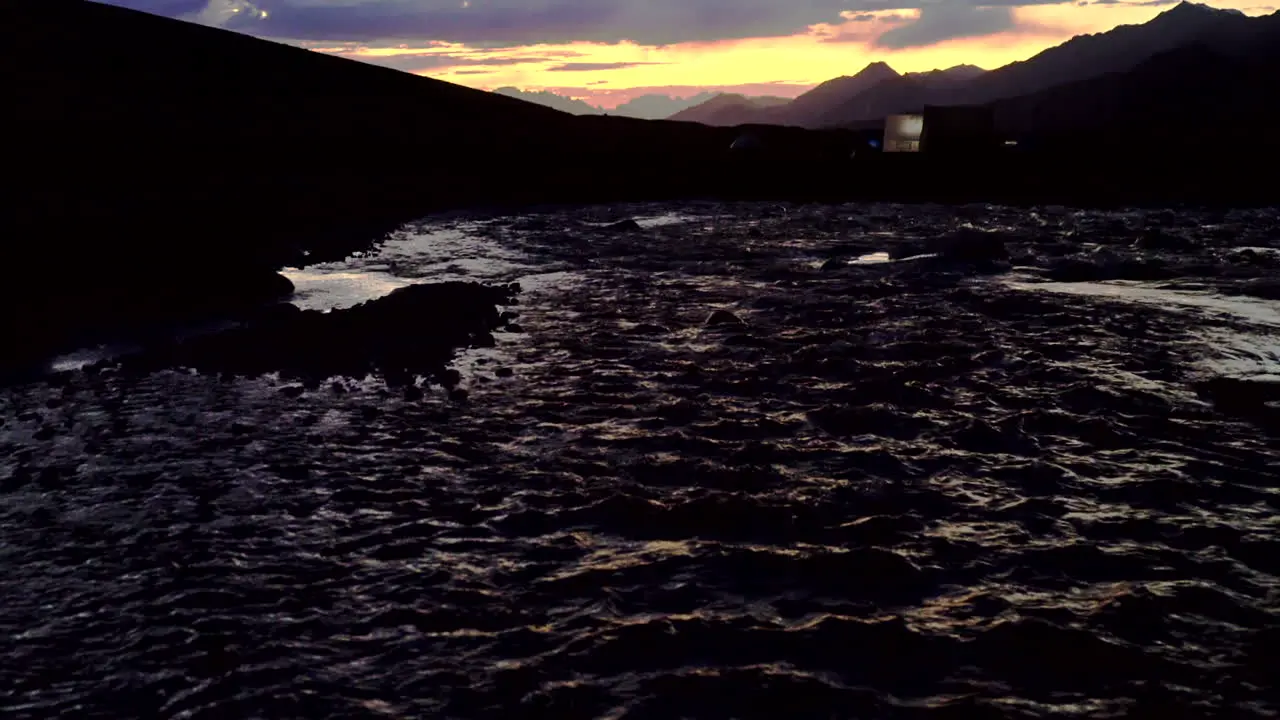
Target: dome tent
<point>747,141</point>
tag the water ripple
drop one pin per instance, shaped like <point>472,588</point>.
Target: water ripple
<point>891,490</point>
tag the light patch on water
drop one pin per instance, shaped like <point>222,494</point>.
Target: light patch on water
<point>323,289</point>
<point>543,282</point>
<point>431,255</point>
<point>665,219</point>
<point>83,358</point>
<point>876,258</point>
<point>1235,353</point>
<point>1252,310</point>
<point>444,254</point>
<point>1249,355</point>
<point>650,222</point>
<point>423,254</point>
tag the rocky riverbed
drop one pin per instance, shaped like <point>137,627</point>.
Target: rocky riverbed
<point>705,461</point>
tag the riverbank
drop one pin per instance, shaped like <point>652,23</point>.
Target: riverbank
<point>138,252</point>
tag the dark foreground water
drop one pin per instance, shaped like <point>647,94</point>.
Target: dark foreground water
<point>896,490</point>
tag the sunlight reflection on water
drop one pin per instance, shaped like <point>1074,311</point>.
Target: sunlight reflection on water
<point>422,255</point>
<point>872,258</point>
<point>430,255</point>
<point>329,290</point>
<point>662,220</point>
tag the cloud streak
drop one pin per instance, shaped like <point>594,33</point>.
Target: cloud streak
<point>418,62</point>
<point>597,66</point>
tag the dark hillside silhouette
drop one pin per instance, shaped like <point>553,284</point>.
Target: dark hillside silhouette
<point>1201,101</point>
<point>137,103</point>
<point>896,95</point>
<point>1184,101</point>
<point>889,94</point>
<point>798,112</point>
<point>727,108</point>
<point>1117,50</point>
<point>173,165</point>
<point>815,102</point>
<point>162,171</point>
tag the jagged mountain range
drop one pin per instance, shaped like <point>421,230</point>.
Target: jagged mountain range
<point>878,90</point>
<point>736,110</point>
<point>651,106</point>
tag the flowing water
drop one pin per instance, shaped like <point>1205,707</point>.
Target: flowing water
<point>893,489</point>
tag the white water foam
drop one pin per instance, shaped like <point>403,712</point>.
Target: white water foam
<point>1234,350</point>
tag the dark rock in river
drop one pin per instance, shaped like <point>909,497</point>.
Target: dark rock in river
<point>1155,239</point>
<point>969,245</point>
<point>1255,399</point>
<point>135,303</point>
<point>966,245</point>
<point>1261,257</point>
<point>413,331</point>
<point>1093,269</point>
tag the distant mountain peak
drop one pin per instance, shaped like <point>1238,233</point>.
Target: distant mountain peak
<point>1188,6</point>
<point>877,68</point>
<point>956,71</point>
<point>1191,10</point>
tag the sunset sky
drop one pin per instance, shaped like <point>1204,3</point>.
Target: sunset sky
<point>608,51</point>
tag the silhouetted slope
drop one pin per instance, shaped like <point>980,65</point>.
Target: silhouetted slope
<point>161,168</point>
<point>139,103</point>
<point>948,76</point>
<point>656,106</point>
<point>551,100</point>
<point>801,112</point>
<point>903,93</point>
<point>814,104</point>
<point>896,95</point>
<point>709,112</point>
<point>727,109</point>
<point>1081,58</point>
<point>1183,100</point>
<point>1116,50</point>
<point>261,141</point>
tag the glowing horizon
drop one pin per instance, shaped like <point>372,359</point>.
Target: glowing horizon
<point>507,44</point>
<point>612,74</point>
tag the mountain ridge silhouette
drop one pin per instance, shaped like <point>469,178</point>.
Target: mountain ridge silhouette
<point>1080,58</point>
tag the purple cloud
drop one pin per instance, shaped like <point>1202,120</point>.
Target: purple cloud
<point>947,22</point>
